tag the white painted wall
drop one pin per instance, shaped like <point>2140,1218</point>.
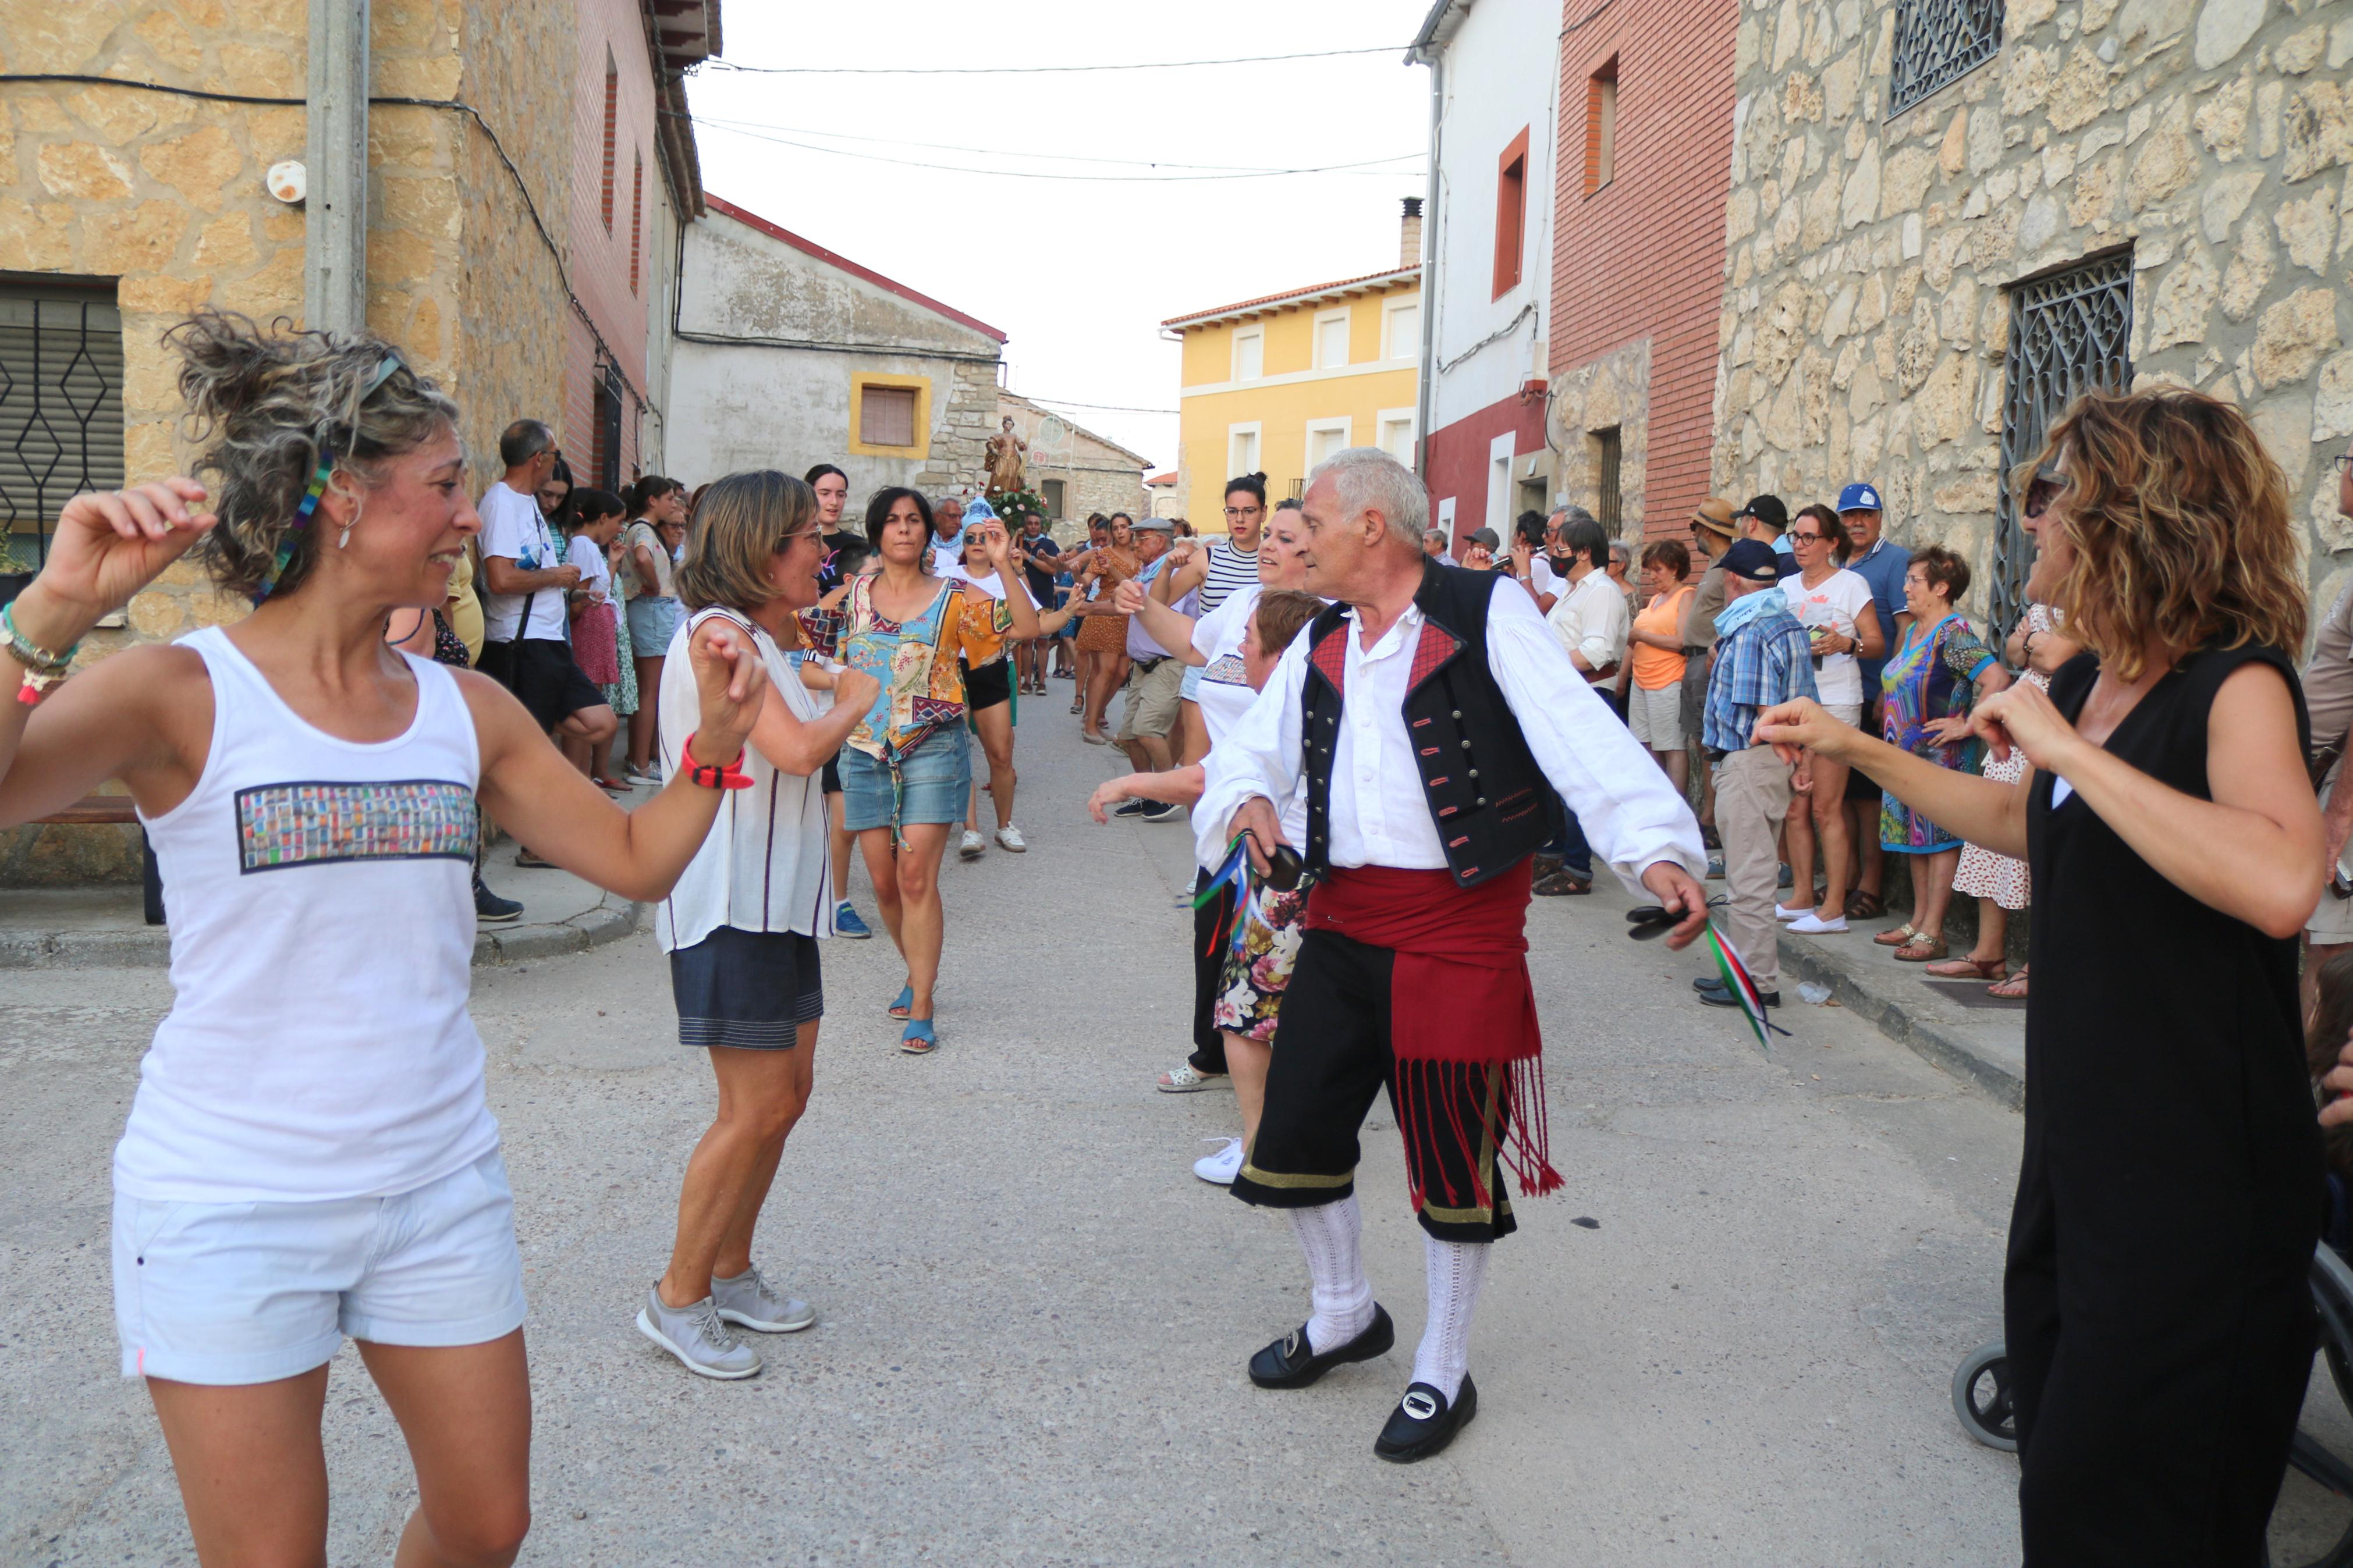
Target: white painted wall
<point>776,394</point>
<point>1501,73</point>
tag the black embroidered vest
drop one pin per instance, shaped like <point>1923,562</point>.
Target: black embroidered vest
<point>1485,792</point>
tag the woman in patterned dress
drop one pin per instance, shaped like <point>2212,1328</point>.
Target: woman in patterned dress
<point>1102,634</point>
<point>906,773</point>
<point>1930,683</point>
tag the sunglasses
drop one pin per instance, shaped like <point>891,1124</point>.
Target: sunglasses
<point>2047,486</point>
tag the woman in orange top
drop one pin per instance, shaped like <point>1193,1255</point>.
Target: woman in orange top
<point>1654,708</point>
<point>1102,635</point>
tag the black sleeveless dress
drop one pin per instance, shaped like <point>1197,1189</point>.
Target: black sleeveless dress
<point>2159,1326</point>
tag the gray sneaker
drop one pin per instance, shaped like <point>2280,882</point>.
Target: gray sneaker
<point>704,1344</point>
<point>751,1300</point>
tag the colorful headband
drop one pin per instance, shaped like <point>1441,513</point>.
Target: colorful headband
<point>310,505</point>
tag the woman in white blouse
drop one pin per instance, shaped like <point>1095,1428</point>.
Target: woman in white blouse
<point>742,926</point>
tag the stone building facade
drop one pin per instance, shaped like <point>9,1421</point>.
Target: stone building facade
<point>125,206</point>
<point>1936,238</point>
<point>1075,471</point>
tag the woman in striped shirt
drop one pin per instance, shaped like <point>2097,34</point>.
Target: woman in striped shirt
<point>1223,568</point>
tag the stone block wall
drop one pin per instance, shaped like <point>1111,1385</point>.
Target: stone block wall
<point>963,417</point>
<point>1865,320</point>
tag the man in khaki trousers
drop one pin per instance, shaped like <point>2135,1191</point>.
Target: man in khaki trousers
<point>1762,658</point>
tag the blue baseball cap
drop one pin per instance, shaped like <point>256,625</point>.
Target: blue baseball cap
<point>1755,561</point>
<point>1859,498</point>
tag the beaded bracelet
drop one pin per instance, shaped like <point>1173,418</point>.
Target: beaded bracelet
<point>43,669</point>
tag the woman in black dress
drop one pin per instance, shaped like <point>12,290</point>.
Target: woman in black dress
<point>2159,1328</point>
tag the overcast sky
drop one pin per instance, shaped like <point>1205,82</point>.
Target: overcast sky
<point>1078,274</point>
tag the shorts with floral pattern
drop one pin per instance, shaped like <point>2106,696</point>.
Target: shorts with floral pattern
<point>1250,990</point>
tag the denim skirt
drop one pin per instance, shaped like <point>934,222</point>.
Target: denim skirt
<point>932,783</point>
<point>652,622</point>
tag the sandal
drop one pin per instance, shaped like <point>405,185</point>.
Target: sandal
<point>2011,990</point>
<point>919,1040</point>
<point>1897,938</point>
<point>1969,968</point>
<point>1920,949</point>
<point>905,1005</point>
<point>1862,906</point>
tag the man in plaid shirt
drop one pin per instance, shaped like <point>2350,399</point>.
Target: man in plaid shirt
<point>1762,658</point>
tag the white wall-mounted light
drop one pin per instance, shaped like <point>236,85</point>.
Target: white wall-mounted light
<point>289,181</point>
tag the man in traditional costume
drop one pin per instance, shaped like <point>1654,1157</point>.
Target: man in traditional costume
<point>1422,714</point>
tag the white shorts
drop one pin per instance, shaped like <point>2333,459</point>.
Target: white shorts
<point>1847,713</point>
<point>240,1293</point>
<point>1656,717</point>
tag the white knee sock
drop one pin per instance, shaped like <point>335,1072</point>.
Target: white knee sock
<point>1341,1295</point>
<point>1457,1269</point>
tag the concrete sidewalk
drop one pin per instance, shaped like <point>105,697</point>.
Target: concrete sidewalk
<point>1985,1045</point>
<point>105,927</point>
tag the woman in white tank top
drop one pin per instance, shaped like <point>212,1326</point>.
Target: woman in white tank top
<point>742,926</point>
<point>309,1156</point>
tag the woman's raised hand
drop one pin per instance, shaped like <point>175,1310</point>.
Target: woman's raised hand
<point>731,681</point>
<point>1793,729</point>
<point>2022,717</point>
<point>1128,597</point>
<point>109,546</point>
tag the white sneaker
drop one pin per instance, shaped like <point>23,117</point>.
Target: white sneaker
<point>1008,839</point>
<point>1813,926</point>
<point>1224,1165</point>
<point>972,845</point>
<point>1792,911</point>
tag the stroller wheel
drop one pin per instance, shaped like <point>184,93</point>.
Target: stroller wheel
<point>1981,1398</point>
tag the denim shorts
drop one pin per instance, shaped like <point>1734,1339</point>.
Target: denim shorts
<point>652,622</point>
<point>934,783</point>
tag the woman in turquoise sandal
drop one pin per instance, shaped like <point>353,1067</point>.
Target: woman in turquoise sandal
<point>906,773</point>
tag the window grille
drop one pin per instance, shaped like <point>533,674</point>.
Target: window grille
<point>1609,462</point>
<point>1937,42</point>
<point>2069,331</point>
<point>60,399</point>
<point>605,438</point>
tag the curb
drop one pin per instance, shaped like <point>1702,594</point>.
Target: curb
<point>151,948</point>
<point>1870,992</point>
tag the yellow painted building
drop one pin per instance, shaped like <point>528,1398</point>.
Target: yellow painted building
<point>1277,384</point>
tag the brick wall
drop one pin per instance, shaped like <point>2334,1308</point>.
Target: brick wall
<point>614,31</point>
<point>1641,259</point>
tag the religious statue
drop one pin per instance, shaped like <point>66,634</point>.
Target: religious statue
<point>1005,460</point>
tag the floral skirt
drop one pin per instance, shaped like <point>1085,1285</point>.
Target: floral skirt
<point>621,696</point>
<point>1258,964</point>
<point>595,645</point>
<point>1102,634</point>
<point>1982,874</point>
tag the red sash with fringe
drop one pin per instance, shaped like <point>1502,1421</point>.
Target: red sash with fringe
<point>1459,995</point>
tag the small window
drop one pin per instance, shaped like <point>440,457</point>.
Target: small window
<point>886,416</point>
<point>1325,438</point>
<point>1331,340</point>
<point>1242,449</point>
<point>1510,212</point>
<point>637,219</point>
<point>1250,355</point>
<point>1601,127</point>
<point>1405,330</point>
<point>1051,492</point>
<point>1609,478</point>
<point>612,112</point>
<point>1937,42</point>
<point>1397,437</point>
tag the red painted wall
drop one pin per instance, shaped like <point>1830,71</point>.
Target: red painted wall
<point>599,260</point>
<point>1643,257</point>
<point>1459,456</point>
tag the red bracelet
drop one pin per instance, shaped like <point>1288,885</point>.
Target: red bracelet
<point>722,775</point>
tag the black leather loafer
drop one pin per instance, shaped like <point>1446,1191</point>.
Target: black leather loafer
<point>1723,998</point>
<point>1424,1422</point>
<point>1289,1363</point>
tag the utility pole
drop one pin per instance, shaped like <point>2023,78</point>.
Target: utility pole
<point>335,261</point>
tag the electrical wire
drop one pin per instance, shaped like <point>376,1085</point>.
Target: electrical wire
<point>1095,408</point>
<point>753,125</point>
<point>1367,164</point>
<point>1037,71</point>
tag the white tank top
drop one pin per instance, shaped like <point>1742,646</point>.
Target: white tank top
<point>767,865</point>
<point>322,934</point>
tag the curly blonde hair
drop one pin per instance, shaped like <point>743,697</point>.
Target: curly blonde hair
<point>2178,519</point>
<point>265,405</point>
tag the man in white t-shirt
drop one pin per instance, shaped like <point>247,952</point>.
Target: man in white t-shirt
<point>525,614</point>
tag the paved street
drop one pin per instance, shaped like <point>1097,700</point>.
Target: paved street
<point>1034,1317</point>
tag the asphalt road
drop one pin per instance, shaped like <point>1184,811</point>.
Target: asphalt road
<point>1035,1320</point>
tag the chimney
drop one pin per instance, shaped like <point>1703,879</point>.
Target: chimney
<point>1410,237</point>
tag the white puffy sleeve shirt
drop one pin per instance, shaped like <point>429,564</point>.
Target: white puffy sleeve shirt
<point>1632,814</point>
